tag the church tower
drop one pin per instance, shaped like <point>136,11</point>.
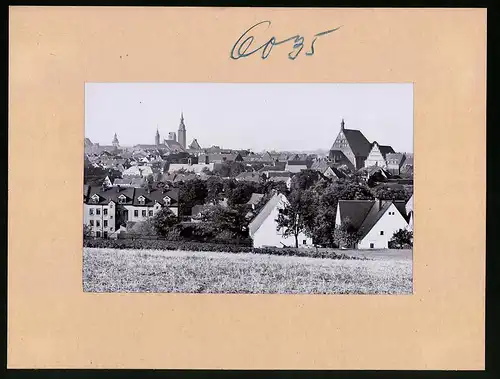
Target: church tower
<point>181,135</point>
<point>157,137</point>
<point>115,141</point>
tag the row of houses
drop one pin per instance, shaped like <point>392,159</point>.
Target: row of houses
<point>106,210</point>
<point>376,221</point>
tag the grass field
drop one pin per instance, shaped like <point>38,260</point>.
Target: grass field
<point>110,270</point>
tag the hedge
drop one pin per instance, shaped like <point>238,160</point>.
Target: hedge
<point>150,244</point>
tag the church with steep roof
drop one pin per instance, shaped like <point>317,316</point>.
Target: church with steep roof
<point>350,148</point>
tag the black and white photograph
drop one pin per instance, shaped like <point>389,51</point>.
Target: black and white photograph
<point>248,188</point>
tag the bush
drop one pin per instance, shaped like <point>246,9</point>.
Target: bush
<point>161,244</point>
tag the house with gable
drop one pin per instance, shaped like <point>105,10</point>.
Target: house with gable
<point>147,202</point>
<point>263,228</point>
<point>375,220</point>
<point>394,162</point>
<point>377,155</point>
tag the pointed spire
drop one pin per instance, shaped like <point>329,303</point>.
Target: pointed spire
<point>342,124</point>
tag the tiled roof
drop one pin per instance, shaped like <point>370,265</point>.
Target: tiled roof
<point>398,157</point>
<point>264,213</point>
<point>281,174</point>
<point>357,141</point>
<point>384,150</point>
<point>255,198</point>
<point>156,195</point>
<point>355,211</point>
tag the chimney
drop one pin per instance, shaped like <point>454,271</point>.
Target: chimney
<point>118,188</point>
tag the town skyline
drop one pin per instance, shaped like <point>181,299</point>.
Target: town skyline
<point>212,111</point>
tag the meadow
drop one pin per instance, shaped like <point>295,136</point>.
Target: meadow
<point>120,270</point>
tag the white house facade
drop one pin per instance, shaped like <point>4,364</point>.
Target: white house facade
<point>263,228</point>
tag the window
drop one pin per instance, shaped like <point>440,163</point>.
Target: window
<point>304,242</point>
<point>110,206</point>
<point>105,211</point>
<point>97,211</point>
<point>381,232</point>
<point>143,213</point>
<point>98,234</point>
<point>105,223</point>
<point>105,234</point>
<point>121,199</point>
<point>111,228</point>
<point>111,217</point>
<point>91,222</point>
<point>150,213</point>
<point>136,213</point>
<point>371,246</point>
<point>141,200</point>
<point>97,223</point>
<point>91,211</point>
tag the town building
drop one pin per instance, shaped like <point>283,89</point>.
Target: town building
<point>377,155</point>
<point>394,162</point>
<point>105,210</point>
<point>263,228</point>
<point>376,221</point>
<point>350,147</point>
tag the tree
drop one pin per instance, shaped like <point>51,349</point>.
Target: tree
<point>295,216</point>
<point>191,192</point>
<point>221,220</point>
<point>145,228</point>
<point>401,239</point>
<point>87,231</point>
<point>346,235</point>
<point>391,192</point>
<point>215,186</point>
<point>163,221</point>
<point>305,179</point>
<point>326,206</point>
<point>241,192</point>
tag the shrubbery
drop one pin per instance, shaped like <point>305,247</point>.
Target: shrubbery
<point>158,244</point>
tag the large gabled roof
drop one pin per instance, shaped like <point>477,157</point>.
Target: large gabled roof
<point>264,213</point>
<point>360,146</point>
<point>355,211</point>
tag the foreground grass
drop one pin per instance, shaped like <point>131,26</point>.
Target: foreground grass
<point>110,270</point>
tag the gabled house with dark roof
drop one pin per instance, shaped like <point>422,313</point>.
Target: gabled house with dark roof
<point>147,202</point>
<point>376,221</point>
<point>394,162</point>
<point>377,155</point>
<point>263,228</point>
<point>352,145</point>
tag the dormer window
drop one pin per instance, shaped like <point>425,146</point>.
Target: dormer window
<point>94,198</point>
<point>141,199</point>
<point>167,200</point>
<point>122,199</point>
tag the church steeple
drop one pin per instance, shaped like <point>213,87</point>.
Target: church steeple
<point>157,137</point>
<point>342,123</point>
<point>181,135</point>
<point>116,143</point>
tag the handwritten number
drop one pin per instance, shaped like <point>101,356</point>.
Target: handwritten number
<point>312,47</point>
<point>241,49</point>
<point>299,44</point>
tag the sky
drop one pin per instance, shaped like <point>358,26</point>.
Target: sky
<point>267,116</point>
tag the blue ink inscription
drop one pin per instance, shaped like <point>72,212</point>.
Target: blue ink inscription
<point>243,44</point>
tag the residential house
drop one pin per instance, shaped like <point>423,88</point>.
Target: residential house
<point>220,157</point>
<point>296,166</point>
<point>129,182</point>
<point>249,177</point>
<point>194,168</point>
<point>377,155</point>
<point>137,172</point>
<point>263,228</point>
<point>375,220</point>
<point>394,162</point>
<point>147,202</point>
